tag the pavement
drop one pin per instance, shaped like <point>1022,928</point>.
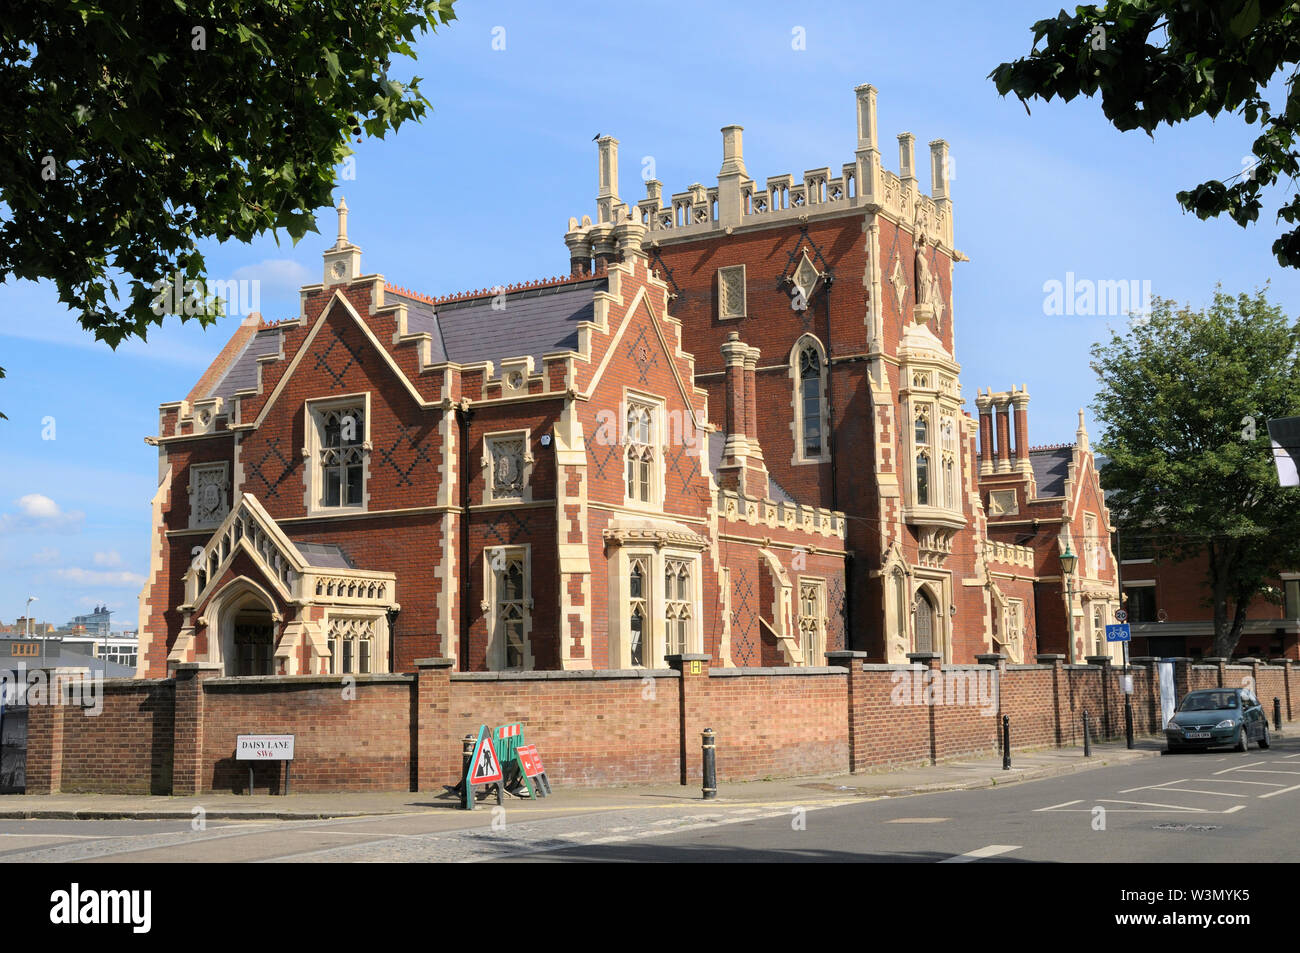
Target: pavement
<point>955,775</point>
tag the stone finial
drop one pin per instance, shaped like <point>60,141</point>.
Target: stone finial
<point>343,222</point>
<point>866,95</point>
<point>939,169</point>
<point>906,156</point>
<point>606,179</point>
<point>342,259</point>
<point>733,151</point>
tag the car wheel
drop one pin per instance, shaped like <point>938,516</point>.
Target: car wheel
<point>1263,739</point>
<point>1241,739</point>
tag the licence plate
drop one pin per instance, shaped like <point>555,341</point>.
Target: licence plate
<point>1198,734</point>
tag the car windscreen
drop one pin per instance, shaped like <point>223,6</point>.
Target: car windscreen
<point>1209,701</point>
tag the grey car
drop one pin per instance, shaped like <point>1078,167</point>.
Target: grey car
<point>1214,717</point>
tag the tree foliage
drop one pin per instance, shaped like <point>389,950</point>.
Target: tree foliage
<point>1185,401</point>
<point>1168,61</point>
<point>132,131</point>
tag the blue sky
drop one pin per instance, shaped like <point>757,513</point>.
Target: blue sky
<point>480,194</point>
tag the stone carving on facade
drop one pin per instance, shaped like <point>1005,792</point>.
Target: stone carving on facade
<point>508,462</point>
<point>209,497</point>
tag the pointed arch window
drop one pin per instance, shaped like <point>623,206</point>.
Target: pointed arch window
<point>924,623</point>
<point>640,452</point>
<point>921,435</point>
<point>637,601</point>
<point>677,606</point>
<point>809,369</point>
<point>948,448</point>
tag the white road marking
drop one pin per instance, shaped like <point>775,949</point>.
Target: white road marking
<point>1172,807</point>
<point>1195,791</point>
<point>1271,784</point>
<point>1055,806</point>
<point>1294,774</point>
<point>1235,808</point>
<point>1294,787</point>
<point>1240,767</point>
<point>993,850</point>
<point>1146,787</point>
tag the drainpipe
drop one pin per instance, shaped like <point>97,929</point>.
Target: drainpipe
<point>849,641</point>
<point>464,415</point>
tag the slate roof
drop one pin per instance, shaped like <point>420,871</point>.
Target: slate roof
<point>243,370</point>
<point>324,555</point>
<point>1051,465</point>
<point>534,321</point>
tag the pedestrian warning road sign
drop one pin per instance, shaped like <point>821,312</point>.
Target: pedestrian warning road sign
<point>484,766</point>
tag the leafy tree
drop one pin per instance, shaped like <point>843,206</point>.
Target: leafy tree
<point>1185,401</point>
<point>1168,61</point>
<point>131,131</point>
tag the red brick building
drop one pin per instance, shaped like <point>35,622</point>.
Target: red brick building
<point>1168,607</point>
<point>736,429</point>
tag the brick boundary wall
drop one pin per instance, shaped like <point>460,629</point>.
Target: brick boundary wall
<point>599,728</point>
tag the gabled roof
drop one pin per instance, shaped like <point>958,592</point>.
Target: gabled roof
<point>465,330</point>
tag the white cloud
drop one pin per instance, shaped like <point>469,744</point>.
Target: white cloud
<point>91,577</point>
<point>110,558</point>
<point>279,276</point>
<point>37,512</point>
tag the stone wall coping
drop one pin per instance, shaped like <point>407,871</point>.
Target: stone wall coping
<point>199,666</point>
<point>966,666</point>
<point>127,683</point>
<point>435,662</point>
<point>303,681</point>
<point>891,667</point>
<point>690,657</point>
<point>1029,667</point>
<point>590,674</point>
<point>778,670</point>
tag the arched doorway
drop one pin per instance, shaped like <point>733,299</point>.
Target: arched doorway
<point>925,622</point>
<point>249,638</point>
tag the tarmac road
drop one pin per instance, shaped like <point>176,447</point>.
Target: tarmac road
<point>1220,806</point>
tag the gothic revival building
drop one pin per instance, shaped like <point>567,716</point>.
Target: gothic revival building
<point>736,428</point>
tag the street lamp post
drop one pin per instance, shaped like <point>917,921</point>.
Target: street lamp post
<point>1068,561</point>
<point>27,625</point>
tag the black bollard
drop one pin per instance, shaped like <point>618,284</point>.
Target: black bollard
<point>1006,742</point>
<point>1087,737</point>
<point>467,752</point>
<point>707,742</point>
<point>1128,722</point>
<point>1277,713</point>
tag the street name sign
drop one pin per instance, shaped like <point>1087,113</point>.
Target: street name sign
<point>264,748</point>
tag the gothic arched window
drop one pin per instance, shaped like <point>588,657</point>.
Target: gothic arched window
<point>809,370</point>
<point>924,623</point>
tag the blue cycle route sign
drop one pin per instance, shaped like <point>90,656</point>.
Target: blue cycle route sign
<point>1118,633</point>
